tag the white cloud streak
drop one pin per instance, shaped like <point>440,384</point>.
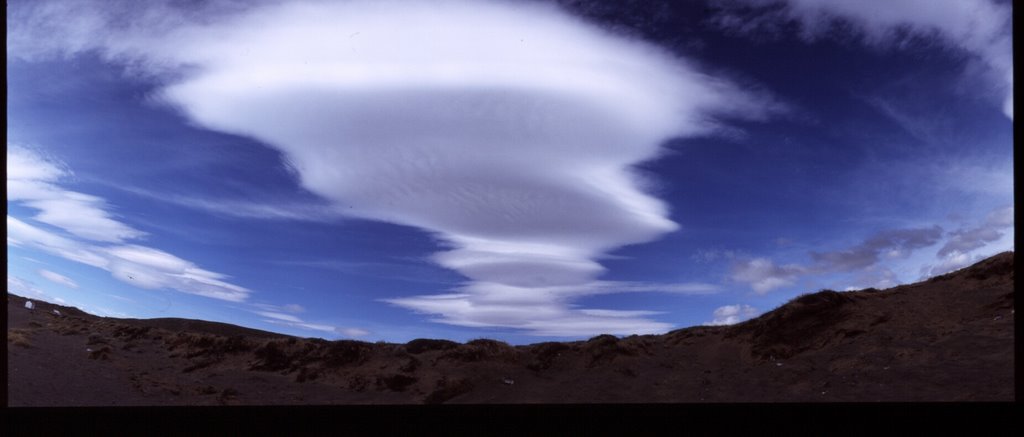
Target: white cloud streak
<point>22,287</point>
<point>306,211</point>
<point>57,278</point>
<point>352,332</point>
<point>286,315</point>
<point>280,316</point>
<point>763,275</point>
<point>956,253</point>
<point>28,289</point>
<point>732,314</point>
<point>968,239</point>
<point>980,28</point>
<point>134,264</point>
<point>508,131</point>
<point>31,179</point>
<point>893,243</point>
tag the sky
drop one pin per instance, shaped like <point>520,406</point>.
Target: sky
<point>520,170</point>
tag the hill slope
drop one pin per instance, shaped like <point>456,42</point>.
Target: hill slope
<point>949,338</point>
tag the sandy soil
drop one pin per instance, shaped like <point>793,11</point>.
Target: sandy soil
<point>947,339</point>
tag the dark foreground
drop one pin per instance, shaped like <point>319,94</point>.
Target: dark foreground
<point>947,339</point>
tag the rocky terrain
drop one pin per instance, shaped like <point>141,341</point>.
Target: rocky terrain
<point>949,338</point>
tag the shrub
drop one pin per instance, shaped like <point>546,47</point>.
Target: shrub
<point>545,354</point>
<point>345,352</point>
<point>396,382</point>
<point>448,389</point>
<point>18,337</point>
<point>421,345</point>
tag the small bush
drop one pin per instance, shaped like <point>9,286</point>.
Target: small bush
<point>345,352</point>
<point>130,333</point>
<point>545,354</point>
<point>271,356</point>
<point>480,350</point>
<point>358,383</point>
<point>448,389</point>
<point>96,339</point>
<point>307,374</point>
<point>226,395</point>
<point>396,382</point>
<point>605,348</point>
<point>410,366</point>
<point>100,354</point>
<point>18,337</point>
<point>421,345</point>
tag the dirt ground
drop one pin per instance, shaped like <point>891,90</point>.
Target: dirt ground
<point>946,339</point>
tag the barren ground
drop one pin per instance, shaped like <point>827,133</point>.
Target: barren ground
<point>946,339</point>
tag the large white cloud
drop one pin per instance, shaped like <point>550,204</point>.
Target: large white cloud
<point>508,131</point>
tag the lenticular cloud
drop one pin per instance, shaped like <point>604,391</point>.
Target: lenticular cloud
<point>508,131</point>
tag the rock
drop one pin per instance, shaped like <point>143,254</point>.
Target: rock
<point>30,305</point>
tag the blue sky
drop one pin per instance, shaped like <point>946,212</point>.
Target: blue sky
<point>526,171</point>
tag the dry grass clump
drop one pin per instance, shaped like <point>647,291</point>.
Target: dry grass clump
<point>481,350</point>
<point>19,337</point>
<point>102,353</point>
<point>291,355</point>
<point>447,389</point>
<point>396,382</point>
<point>544,354</point>
<point>605,348</point>
<point>798,325</point>
<point>421,345</point>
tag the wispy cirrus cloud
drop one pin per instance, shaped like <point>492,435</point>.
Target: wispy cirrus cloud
<point>29,289</point>
<point>508,131</point>
<point>57,278</point>
<point>893,243</point>
<point>965,240</point>
<point>979,28</point>
<point>31,179</point>
<point>287,315</point>
<point>35,178</point>
<point>869,258</point>
<point>247,209</point>
<point>764,275</point>
<point>22,287</point>
<point>956,253</point>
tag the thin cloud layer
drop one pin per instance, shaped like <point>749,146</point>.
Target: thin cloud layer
<point>287,315</point>
<point>894,243</point>
<point>732,314</point>
<point>58,278</point>
<point>763,275</point>
<point>31,178</point>
<point>969,239</point>
<point>507,131</point>
<point>956,253</point>
<point>980,28</point>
